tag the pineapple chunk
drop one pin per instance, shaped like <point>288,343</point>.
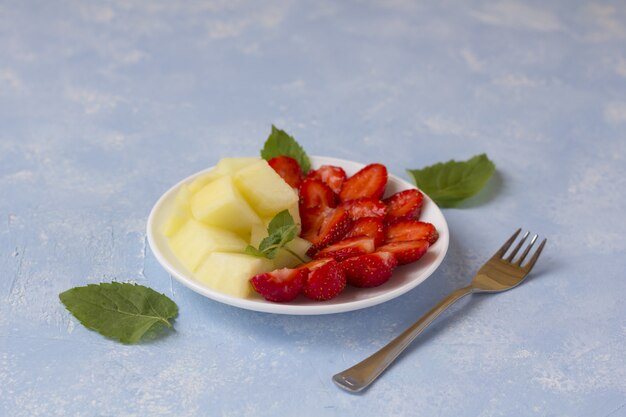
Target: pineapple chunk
<point>230,273</point>
<point>257,234</point>
<point>228,166</point>
<point>264,189</point>
<point>202,180</point>
<point>285,259</point>
<point>194,241</point>
<point>220,204</point>
<point>181,211</point>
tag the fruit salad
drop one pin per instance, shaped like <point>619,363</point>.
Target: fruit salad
<point>217,215</point>
<point>253,227</point>
<point>357,237</point>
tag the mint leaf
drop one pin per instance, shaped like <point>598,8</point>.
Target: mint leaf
<point>281,231</point>
<point>121,311</point>
<point>280,143</point>
<point>281,219</point>
<point>451,182</point>
<point>252,251</point>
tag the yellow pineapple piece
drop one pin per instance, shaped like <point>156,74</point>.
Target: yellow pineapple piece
<point>180,213</point>
<point>264,189</point>
<point>203,180</point>
<point>195,241</point>
<point>228,166</point>
<point>220,204</point>
<point>284,259</point>
<point>230,273</point>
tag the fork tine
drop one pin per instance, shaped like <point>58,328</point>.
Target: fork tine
<point>507,245</point>
<point>525,253</point>
<point>517,247</point>
<point>532,261</point>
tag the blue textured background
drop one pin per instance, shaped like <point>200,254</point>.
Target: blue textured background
<point>104,105</point>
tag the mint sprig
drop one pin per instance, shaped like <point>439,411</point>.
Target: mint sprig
<point>449,183</point>
<point>281,231</point>
<point>122,311</point>
<point>279,143</point>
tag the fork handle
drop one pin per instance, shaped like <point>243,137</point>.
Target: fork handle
<point>362,374</point>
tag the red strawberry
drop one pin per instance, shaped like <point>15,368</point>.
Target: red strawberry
<point>368,182</point>
<point>334,227</point>
<point>404,205</point>
<point>288,168</point>
<point>280,285</point>
<point>312,220</point>
<point>314,193</point>
<point>326,279</point>
<point>407,251</point>
<point>368,226</point>
<point>347,248</point>
<point>369,270</point>
<point>365,207</point>
<point>411,230</point>
<point>316,201</point>
<point>330,175</point>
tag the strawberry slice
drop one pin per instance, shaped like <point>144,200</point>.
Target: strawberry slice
<point>404,205</point>
<point>326,279</point>
<point>368,226</point>
<point>369,270</point>
<point>347,248</point>
<point>330,175</point>
<point>288,168</point>
<point>312,220</point>
<point>314,193</point>
<point>365,207</point>
<point>368,182</point>
<point>280,285</point>
<point>336,224</point>
<point>316,202</point>
<point>407,251</point>
<point>411,230</point>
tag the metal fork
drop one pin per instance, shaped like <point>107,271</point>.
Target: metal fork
<point>496,275</point>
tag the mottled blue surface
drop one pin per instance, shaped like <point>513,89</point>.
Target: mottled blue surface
<point>104,105</point>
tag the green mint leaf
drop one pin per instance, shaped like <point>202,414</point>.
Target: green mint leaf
<point>270,245</point>
<point>121,311</point>
<point>280,143</point>
<point>281,231</point>
<point>451,182</point>
<point>252,251</point>
<point>281,219</point>
<point>277,240</point>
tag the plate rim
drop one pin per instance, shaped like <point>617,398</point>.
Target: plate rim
<point>286,308</point>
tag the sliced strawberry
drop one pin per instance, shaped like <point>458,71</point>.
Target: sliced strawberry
<point>411,230</point>
<point>404,205</point>
<point>316,203</point>
<point>280,285</point>
<point>347,248</point>
<point>407,251</point>
<point>336,224</point>
<point>365,207</point>
<point>314,193</point>
<point>368,226</point>
<point>288,168</point>
<point>330,175</point>
<point>369,270</point>
<point>312,220</point>
<point>326,279</point>
<point>368,182</point>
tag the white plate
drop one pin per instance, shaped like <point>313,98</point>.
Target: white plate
<point>404,278</point>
